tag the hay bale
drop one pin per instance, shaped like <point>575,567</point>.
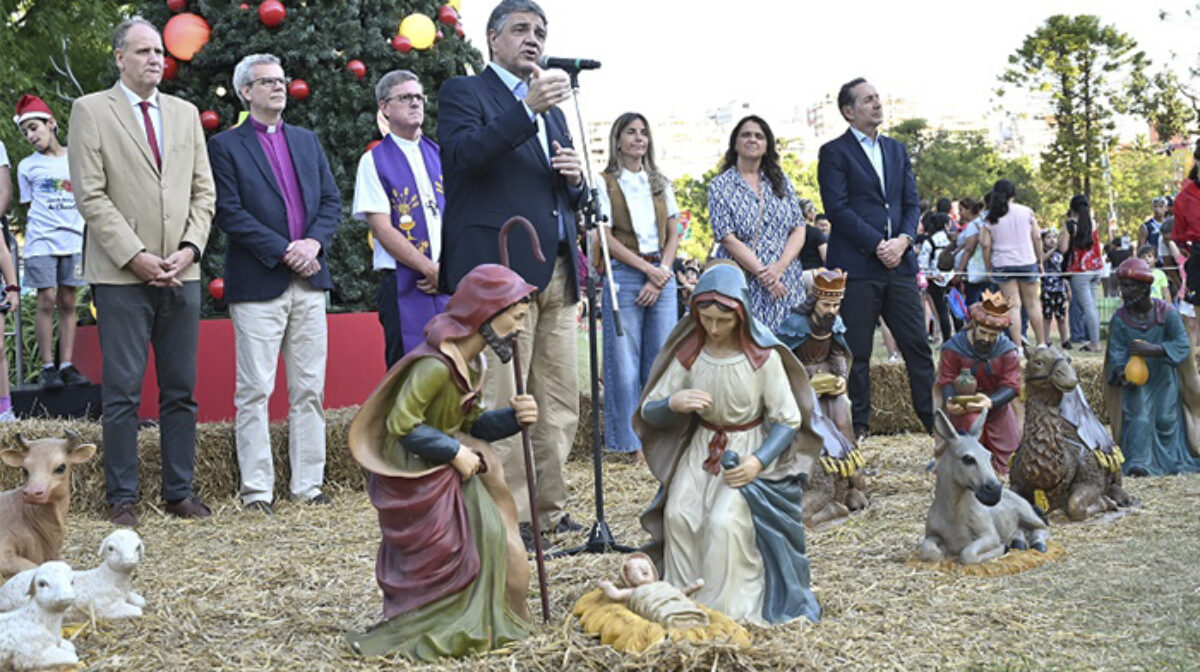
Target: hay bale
<point>891,400</point>
<point>216,473</point>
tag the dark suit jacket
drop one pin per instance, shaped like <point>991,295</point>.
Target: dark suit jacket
<point>858,209</point>
<point>494,167</point>
<point>251,210</point>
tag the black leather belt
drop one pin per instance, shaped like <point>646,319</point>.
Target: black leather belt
<point>654,258</point>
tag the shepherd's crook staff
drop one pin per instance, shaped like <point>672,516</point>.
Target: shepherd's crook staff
<point>525,443</point>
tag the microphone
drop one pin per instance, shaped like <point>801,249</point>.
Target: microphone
<point>568,64</point>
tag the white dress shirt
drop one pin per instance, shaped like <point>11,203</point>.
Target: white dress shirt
<point>155,115</point>
<point>370,198</point>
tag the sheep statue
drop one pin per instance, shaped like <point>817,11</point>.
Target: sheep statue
<point>31,636</point>
<point>105,592</point>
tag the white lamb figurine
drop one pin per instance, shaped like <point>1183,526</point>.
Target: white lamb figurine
<point>31,636</point>
<point>107,590</point>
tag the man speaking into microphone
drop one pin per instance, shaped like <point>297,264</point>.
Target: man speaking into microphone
<point>506,151</point>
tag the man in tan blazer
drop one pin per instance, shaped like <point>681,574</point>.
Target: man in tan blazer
<point>140,173</point>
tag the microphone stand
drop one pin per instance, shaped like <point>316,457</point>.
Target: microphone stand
<point>600,538</point>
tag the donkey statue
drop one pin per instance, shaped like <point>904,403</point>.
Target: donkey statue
<point>973,518</point>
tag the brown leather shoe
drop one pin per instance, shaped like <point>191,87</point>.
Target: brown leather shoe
<point>188,508</point>
<point>122,514</point>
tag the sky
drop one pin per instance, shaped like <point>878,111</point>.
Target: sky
<point>673,58</point>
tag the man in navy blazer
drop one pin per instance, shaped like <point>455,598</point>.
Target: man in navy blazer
<point>279,207</point>
<point>870,196</point>
<point>506,151</point>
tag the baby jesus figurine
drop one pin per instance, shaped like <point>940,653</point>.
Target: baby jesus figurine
<point>654,600</point>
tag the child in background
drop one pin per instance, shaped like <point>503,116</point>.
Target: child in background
<point>1161,287</point>
<point>53,240</point>
<point>1056,293</point>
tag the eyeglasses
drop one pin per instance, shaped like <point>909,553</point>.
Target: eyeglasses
<point>271,82</point>
<point>407,98</point>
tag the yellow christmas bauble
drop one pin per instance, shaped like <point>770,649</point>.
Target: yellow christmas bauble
<point>419,30</point>
<point>92,308</point>
<point>456,4</point>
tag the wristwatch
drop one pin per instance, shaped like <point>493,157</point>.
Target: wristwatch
<point>907,237</point>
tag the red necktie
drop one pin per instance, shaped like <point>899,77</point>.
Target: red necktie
<point>145,105</point>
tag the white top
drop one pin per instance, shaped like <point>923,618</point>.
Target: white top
<point>369,197</point>
<point>3,155</point>
<point>155,115</point>
<point>55,226</point>
<point>636,189</point>
<point>928,258</point>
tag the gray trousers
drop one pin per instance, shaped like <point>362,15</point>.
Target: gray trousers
<point>132,317</point>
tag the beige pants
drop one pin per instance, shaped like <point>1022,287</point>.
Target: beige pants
<point>294,320</point>
<point>549,361</point>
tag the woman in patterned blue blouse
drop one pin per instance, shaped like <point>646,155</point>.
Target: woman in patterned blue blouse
<point>756,219</point>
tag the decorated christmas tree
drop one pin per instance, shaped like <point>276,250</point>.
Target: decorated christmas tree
<point>335,51</point>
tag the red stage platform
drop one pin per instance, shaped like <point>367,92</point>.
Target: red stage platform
<point>354,366</point>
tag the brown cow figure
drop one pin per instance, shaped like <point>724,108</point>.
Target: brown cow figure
<point>33,518</point>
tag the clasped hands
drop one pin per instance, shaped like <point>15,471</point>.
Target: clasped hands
<point>891,251</point>
<point>467,462</point>
<point>692,400</point>
<point>771,277</point>
<point>657,278</point>
<point>159,272</point>
<point>301,257</point>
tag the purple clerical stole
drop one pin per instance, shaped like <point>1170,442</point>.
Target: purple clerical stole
<point>279,157</point>
<point>408,216</point>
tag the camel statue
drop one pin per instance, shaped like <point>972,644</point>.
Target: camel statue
<point>1066,460</point>
<point>973,518</point>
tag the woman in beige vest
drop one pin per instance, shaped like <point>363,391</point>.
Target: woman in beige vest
<point>643,238</point>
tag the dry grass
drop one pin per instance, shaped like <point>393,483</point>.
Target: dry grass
<point>247,592</point>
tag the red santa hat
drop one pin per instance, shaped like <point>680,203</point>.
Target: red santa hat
<point>31,107</point>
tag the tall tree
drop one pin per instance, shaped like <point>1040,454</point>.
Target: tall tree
<point>1084,67</point>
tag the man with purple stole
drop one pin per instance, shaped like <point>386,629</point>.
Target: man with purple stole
<point>279,207</point>
<point>398,191</point>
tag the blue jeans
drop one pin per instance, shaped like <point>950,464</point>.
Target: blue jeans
<point>627,359</point>
<point>1083,294</point>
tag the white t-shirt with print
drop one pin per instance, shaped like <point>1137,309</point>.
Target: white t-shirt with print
<point>55,226</point>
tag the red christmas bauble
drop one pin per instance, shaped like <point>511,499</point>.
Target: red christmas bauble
<point>439,35</point>
<point>176,5</point>
<point>209,120</point>
<point>216,288</point>
<point>447,15</point>
<point>458,29</point>
<point>271,13</point>
<point>170,67</point>
<point>372,145</point>
<point>402,44</point>
<point>243,6</point>
<point>298,89</point>
<point>185,35</point>
<point>356,66</point>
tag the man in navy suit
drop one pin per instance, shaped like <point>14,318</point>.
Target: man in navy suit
<point>870,196</point>
<point>506,151</point>
<point>279,207</point>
